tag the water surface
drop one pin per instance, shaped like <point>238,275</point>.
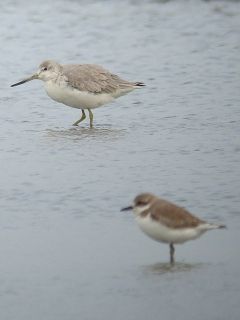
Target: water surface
<point>66,250</point>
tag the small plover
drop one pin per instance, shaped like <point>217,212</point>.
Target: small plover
<point>166,222</point>
<point>81,86</point>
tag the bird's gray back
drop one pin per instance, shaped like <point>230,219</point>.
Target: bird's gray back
<point>94,78</point>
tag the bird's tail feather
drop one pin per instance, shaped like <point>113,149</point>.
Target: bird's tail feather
<point>222,226</point>
<point>139,84</point>
<point>209,226</point>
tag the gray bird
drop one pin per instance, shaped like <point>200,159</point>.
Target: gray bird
<point>81,86</point>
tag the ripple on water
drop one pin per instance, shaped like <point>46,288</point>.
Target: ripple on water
<point>167,268</point>
<point>97,133</point>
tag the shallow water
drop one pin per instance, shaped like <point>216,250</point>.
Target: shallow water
<point>66,250</point>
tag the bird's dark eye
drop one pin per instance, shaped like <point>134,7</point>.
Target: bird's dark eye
<point>44,69</point>
<point>141,203</point>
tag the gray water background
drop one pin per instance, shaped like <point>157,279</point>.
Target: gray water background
<point>67,253</point>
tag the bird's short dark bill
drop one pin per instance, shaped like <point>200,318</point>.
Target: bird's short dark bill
<point>127,208</point>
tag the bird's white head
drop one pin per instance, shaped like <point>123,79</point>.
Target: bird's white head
<point>48,70</point>
<point>141,203</point>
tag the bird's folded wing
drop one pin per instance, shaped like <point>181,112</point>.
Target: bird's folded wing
<point>173,216</point>
<point>93,78</point>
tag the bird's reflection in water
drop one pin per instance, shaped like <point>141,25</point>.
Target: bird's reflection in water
<point>166,267</point>
<point>81,133</point>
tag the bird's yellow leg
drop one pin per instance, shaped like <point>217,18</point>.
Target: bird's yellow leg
<point>91,118</point>
<point>81,119</point>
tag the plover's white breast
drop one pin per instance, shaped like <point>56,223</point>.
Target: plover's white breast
<point>75,98</point>
<point>157,231</point>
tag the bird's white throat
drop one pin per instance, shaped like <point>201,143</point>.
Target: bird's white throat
<point>138,210</point>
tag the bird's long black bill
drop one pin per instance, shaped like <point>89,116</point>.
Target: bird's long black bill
<point>34,76</point>
<point>127,208</point>
<point>18,83</point>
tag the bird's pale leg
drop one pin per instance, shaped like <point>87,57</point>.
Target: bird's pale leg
<point>90,117</point>
<point>81,119</point>
<point>172,250</point>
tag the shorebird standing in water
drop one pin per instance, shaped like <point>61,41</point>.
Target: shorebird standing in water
<point>166,222</point>
<point>81,86</point>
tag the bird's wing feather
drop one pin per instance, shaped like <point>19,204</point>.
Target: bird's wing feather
<point>93,78</point>
<point>173,215</point>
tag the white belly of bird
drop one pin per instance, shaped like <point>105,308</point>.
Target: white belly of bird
<point>161,233</point>
<point>75,98</point>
